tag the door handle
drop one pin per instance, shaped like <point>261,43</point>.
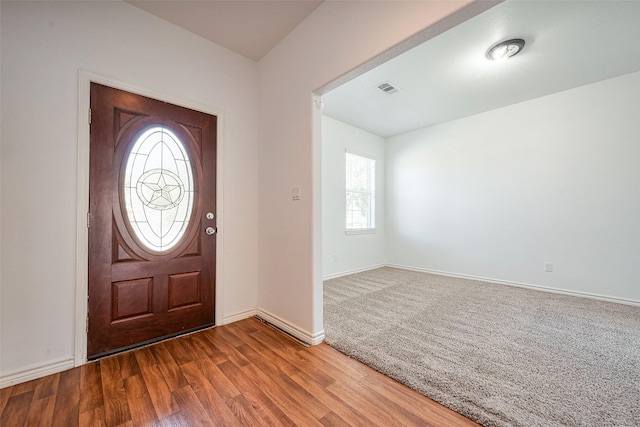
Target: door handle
<point>210,230</point>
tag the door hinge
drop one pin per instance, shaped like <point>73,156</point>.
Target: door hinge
<point>89,115</point>
<point>87,324</point>
<point>88,219</point>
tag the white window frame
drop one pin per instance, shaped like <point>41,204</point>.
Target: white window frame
<point>368,193</point>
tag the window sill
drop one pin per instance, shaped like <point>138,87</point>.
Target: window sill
<point>360,231</point>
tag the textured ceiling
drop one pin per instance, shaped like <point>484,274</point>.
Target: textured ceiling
<point>568,44</point>
<point>250,28</point>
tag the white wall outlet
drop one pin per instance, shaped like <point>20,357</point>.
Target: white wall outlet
<point>295,193</point>
<point>548,267</point>
<point>335,257</point>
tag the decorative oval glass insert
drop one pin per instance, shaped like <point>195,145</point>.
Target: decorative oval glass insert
<point>158,189</point>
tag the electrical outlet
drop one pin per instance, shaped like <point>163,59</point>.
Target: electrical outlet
<point>548,267</point>
<point>335,257</point>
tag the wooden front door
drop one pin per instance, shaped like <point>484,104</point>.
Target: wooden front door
<point>152,219</point>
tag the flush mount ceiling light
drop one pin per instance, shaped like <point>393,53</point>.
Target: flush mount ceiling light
<point>505,49</point>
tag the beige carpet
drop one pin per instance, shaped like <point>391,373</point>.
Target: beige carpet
<point>500,355</point>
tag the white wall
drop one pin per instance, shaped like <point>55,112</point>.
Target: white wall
<point>343,253</point>
<point>336,38</point>
<point>43,46</point>
<point>496,195</point>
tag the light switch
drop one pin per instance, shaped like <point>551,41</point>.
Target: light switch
<point>295,193</point>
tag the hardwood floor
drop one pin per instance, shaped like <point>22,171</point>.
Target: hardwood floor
<point>245,373</point>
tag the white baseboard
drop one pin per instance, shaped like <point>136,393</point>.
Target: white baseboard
<point>291,329</point>
<point>346,273</point>
<point>239,316</point>
<point>520,285</point>
<point>37,371</point>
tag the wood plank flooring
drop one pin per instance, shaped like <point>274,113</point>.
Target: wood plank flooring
<point>242,374</point>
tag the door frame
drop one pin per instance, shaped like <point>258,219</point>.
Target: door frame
<point>85,78</point>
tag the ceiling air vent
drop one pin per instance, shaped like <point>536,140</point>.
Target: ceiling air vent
<point>387,88</point>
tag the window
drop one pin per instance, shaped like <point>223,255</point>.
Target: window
<point>361,193</point>
<point>158,189</point>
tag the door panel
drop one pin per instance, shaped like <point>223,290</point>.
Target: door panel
<point>152,182</point>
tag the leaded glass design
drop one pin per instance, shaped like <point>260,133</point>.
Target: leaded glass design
<point>158,189</point>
